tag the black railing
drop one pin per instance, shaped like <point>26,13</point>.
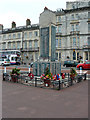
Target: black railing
<point>23,78</point>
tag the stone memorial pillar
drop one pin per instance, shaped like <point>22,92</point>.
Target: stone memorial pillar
<point>47,22</point>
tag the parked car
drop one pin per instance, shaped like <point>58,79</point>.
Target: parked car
<point>70,63</point>
<point>84,66</point>
<point>4,61</point>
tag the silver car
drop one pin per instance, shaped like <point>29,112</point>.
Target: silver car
<point>4,61</point>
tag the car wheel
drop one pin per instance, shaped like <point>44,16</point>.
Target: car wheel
<point>2,64</point>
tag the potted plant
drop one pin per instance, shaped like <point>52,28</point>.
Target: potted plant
<point>15,74</point>
<point>47,77</point>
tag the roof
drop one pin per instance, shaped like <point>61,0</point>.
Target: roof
<point>20,28</point>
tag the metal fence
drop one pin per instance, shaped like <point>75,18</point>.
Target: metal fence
<point>23,78</point>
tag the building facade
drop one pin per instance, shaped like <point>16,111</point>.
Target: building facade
<point>72,34</point>
<point>24,38</point>
<point>73,31</point>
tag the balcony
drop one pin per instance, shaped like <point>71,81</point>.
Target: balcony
<point>33,49</point>
<point>86,47</point>
<point>74,21</point>
<point>74,32</point>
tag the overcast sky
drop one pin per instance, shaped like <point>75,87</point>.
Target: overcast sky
<point>20,10</point>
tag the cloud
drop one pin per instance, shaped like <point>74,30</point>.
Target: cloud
<point>20,10</point>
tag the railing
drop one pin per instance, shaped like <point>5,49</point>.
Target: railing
<point>86,46</point>
<point>23,78</point>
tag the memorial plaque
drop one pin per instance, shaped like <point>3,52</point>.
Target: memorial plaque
<point>39,67</point>
<point>44,42</point>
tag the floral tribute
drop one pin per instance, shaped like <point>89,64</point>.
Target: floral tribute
<point>47,76</point>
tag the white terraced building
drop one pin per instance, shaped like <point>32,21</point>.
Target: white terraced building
<point>72,33</point>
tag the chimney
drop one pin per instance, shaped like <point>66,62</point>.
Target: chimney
<point>28,22</point>
<point>45,8</point>
<point>13,24</point>
<point>1,27</point>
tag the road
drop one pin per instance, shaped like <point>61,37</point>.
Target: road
<point>26,68</point>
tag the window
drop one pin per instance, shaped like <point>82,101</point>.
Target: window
<point>59,18</point>
<point>30,34</point>
<point>36,33</point>
<point>31,57</point>
<point>30,44</point>
<point>73,6</point>
<point>0,46</point>
<point>89,27</point>
<point>77,27</point>
<point>18,44</point>
<point>0,37</point>
<point>25,44</point>
<point>56,29</point>
<point>57,42</point>
<point>19,35</point>
<point>59,56</point>
<point>72,17</point>
<point>78,41</point>
<point>14,45</point>
<point>78,56</point>
<point>4,46</point>
<point>77,16</point>
<point>36,56</point>
<point>56,56</point>
<point>14,36</point>
<point>74,55</point>
<point>25,35</point>
<point>9,36</point>
<point>4,37</point>
<point>59,28</point>
<point>72,27</point>
<point>89,14</point>
<point>35,44</point>
<point>88,40</point>
<point>74,41</point>
<point>9,45</point>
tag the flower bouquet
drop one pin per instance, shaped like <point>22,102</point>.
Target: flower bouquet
<point>15,74</point>
<point>47,77</point>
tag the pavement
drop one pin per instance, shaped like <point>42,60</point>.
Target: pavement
<point>20,101</point>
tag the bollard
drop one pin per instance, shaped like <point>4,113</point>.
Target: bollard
<point>85,76</point>
<point>3,76</point>
<point>35,82</point>
<point>29,69</point>
<point>80,69</point>
<point>4,69</point>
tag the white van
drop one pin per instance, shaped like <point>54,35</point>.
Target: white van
<point>14,59</point>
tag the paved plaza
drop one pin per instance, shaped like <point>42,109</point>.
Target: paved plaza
<point>20,101</point>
